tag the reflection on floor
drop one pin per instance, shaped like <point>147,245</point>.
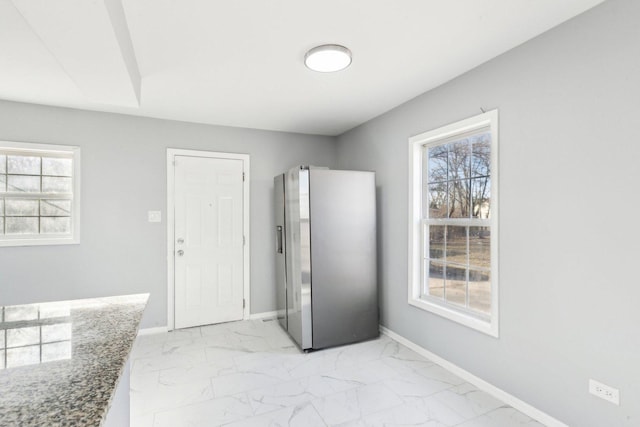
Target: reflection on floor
<point>249,373</point>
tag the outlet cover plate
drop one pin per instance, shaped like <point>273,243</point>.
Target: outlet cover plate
<point>604,391</point>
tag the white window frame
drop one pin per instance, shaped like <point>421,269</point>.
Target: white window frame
<point>29,148</point>
<point>416,247</point>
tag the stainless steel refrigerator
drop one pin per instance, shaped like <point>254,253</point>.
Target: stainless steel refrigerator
<point>326,256</point>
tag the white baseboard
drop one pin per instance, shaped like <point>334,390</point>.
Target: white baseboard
<point>152,331</point>
<point>163,329</point>
<point>264,315</point>
<point>483,385</point>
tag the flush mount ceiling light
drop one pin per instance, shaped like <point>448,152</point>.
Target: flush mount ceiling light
<point>328,58</point>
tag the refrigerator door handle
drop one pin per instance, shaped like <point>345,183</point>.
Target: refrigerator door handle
<point>279,239</point>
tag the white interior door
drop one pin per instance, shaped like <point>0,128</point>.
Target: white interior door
<point>208,255</point>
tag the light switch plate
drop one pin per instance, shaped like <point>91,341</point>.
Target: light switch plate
<point>155,216</point>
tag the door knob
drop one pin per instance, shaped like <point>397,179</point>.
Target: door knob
<point>180,252</point>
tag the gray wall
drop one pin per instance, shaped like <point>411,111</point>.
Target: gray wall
<point>124,176</point>
<point>569,105</point>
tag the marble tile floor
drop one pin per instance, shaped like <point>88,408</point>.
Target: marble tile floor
<point>250,373</point>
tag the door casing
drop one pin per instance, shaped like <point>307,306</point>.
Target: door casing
<point>171,153</point>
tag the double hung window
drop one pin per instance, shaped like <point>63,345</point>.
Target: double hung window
<point>39,194</point>
<point>453,268</point>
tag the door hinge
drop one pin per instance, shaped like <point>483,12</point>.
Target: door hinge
<point>244,303</point>
<point>243,176</point>
<point>244,241</point>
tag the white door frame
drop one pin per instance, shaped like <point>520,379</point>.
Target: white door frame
<point>171,153</point>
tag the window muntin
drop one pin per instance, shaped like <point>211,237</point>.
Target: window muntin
<point>39,194</point>
<point>453,262</point>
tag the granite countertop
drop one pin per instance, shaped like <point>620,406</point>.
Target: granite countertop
<point>60,362</point>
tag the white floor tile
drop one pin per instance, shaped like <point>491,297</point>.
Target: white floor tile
<point>169,396</point>
<point>403,415</point>
<point>226,385</point>
<point>367,373</point>
<point>165,360</point>
<point>438,373</point>
<point>142,421</point>
<point>414,385</point>
<point>296,392</point>
<point>354,404</point>
<point>502,417</point>
<point>457,404</point>
<point>324,385</point>
<point>209,413</point>
<point>468,401</point>
<point>193,372</point>
<point>303,415</point>
<point>144,381</point>
<point>250,373</point>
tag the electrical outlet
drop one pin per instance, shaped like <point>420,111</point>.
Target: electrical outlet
<point>604,391</point>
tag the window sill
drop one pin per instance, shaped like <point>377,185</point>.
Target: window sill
<point>486,327</point>
<point>39,241</point>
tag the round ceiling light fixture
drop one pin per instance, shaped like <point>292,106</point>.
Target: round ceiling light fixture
<point>328,58</point>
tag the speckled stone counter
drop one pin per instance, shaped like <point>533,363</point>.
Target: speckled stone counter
<point>60,362</point>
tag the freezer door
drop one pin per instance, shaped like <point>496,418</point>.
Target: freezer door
<point>343,249</point>
<point>280,249</point>
<point>298,256</point>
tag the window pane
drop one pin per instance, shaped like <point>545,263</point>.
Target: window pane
<point>55,225</point>
<point>16,313</point>
<point>456,285</point>
<point>23,183</point>
<point>20,225</point>
<point>56,166</point>
<point>56,332</point>
<point>480,247</point>
<point>480,291</point>
<point>438,164</point>
<point>56,185</point>
<point>22,356</point>
<point>55,207</point>
<point>459,199</point>
<point>3,183</point>
<point>23,165</point>
<point>56,351</point>
<point>3,163</point>
<point>457,244</point>
<point>438,200</point>
<point>18,337</point>
<point>436,241</point>
<point>481,155</point>
<point>435,281</point>
<point>21,207</point>
<point>1,225</point>
<point>54,309</point>
<point>481,197</point>
<point>1,207</point>
<point>459,160</point>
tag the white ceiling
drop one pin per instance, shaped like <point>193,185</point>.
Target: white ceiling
<point>240,62</point>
